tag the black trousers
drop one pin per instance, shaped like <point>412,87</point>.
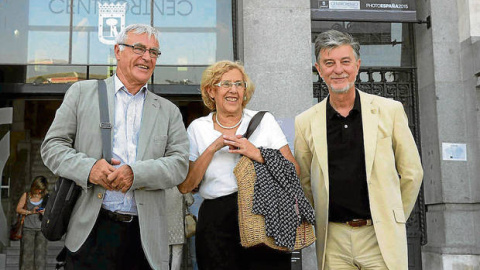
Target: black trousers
<point>111,245</point>
<point>217,241</point>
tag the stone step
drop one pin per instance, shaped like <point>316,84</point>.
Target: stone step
<point>38,165</point>
<point>47,173</point>
<point>13,254</point>
<point>50,244</point>
<point>51,262</point>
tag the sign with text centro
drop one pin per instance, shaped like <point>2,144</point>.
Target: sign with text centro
<point>364,10</point>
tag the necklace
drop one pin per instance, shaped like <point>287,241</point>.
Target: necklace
<point>225,127</point>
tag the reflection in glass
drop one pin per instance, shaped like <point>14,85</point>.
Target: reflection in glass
<point>193,35</point>
<point>13,31</point>
<point>49,13</point>
<point>47,47</point>
<point>178,75</point>
<point>101,72</point>
<point>44,74</point>
<point>194,32</point>
<point>381,44</point>
<point>48,32</point>
<point>188,49</point>
<point>88,50</point>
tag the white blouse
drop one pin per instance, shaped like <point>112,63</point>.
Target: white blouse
<point>219,179</point>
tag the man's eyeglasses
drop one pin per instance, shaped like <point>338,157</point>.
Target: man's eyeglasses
<point>229,84</point>
<point>140,50</point>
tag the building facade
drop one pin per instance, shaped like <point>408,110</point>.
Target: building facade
<point>424,53</point>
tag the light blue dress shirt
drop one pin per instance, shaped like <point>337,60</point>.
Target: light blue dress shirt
<point>127,122</point>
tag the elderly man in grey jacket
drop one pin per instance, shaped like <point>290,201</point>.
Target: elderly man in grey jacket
<point>119,219</point>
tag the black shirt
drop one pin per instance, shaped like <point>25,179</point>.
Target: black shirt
<point>346,165</point>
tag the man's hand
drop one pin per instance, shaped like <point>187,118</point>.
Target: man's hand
<point>100,170</point>
<point>121,179</point>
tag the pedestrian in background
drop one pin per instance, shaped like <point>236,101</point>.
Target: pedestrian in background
<point>33,245</point>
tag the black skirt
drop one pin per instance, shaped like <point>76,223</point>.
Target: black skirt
<point>217,241</point>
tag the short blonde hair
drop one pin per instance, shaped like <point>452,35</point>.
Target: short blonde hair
<point>212,76</point>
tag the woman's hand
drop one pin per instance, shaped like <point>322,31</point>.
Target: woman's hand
<point>38,210</point>
<point>217,144</point>
<point>242,146</point>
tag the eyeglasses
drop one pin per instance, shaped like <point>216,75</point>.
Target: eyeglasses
<point>229,84</point>
<point>140,50</point>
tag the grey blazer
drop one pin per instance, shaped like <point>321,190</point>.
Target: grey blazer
<point>73,144</point>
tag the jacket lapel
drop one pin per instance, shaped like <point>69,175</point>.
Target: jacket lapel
<point>370,128</point>
<point>149,117</point>
<point>319,136</point>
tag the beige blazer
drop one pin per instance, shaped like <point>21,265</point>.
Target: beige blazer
<point>73,144</point>
<point>392,162</point>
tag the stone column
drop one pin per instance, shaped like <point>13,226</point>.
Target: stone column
<point>447,62</point>
<point>278,57</point>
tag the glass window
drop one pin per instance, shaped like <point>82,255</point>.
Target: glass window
<point>193,33</point>
<point>39,74</point>
<point>96,25</point>
<point>381,44</point>
<point>48,47</point>
<point>48,32</point>
<point>33,34</point>
<point>101,72</point>
<point>186,75</point>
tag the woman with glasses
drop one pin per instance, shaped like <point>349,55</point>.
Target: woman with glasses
<point>215,148</point>
<point>33,245</point>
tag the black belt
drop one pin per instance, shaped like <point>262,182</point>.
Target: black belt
<point>115,216</point>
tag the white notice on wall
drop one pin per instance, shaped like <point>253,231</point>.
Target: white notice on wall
<point>454,151</point>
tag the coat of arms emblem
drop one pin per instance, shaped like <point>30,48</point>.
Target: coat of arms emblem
<point>111,20</point>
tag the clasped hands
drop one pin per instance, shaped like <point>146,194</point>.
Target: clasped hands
<point>111,178</point>
<point>239,145</point>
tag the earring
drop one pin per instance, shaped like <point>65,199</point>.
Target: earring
<point>245,98</point>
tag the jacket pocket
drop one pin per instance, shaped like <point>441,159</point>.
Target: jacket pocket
<point>399,215</point>
<point>160,142</point>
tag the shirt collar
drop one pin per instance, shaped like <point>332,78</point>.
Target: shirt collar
<point>119,86</point>
<point>331,112</point>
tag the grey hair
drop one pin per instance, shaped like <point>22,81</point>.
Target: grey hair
<point>332,39</point>
<point>136,29</point>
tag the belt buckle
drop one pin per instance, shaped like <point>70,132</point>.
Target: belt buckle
<point>119,217</point>
<point>359,222</point>
<point>129,220</point>
<point>123,217</point>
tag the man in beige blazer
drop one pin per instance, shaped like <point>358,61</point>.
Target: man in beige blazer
<point>359,164</point>
<point>119,220</point>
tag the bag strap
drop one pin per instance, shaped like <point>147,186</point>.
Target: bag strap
<point>256,119</point>
<point>105,125</point>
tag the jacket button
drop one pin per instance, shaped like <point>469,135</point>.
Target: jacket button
<point>100,195</point>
